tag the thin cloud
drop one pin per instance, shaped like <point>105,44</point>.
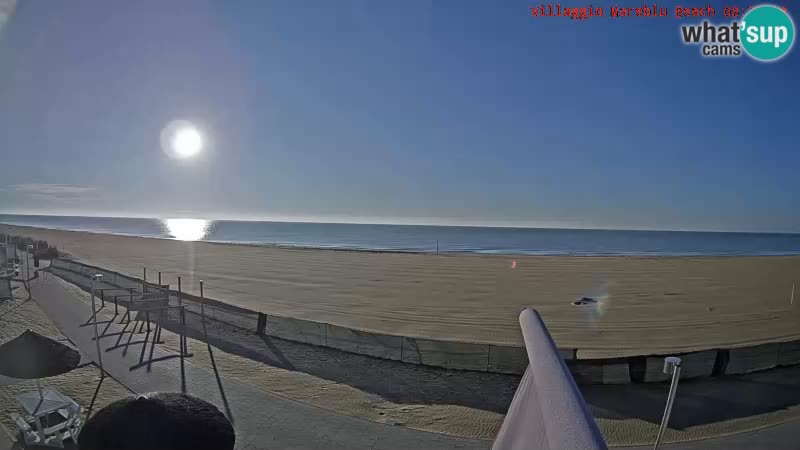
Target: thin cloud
<point>55,192</point>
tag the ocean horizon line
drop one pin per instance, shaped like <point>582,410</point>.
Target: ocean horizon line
<point>320,221</point>
<point>429,238</point>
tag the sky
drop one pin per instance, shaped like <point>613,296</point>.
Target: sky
<point>433,112</point>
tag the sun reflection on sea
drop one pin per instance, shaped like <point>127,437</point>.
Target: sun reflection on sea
<point>187,229</point>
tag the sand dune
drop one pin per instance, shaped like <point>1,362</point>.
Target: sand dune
<point>655,304</point>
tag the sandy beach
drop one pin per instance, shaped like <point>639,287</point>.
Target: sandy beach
<point>419,397</point>
<point>444,401</point>
<point>654,304</point>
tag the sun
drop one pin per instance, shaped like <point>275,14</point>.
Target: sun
<point>187,142</point>
<point>182,139</point>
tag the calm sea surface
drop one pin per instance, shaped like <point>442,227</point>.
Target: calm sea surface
<point>537,241</point>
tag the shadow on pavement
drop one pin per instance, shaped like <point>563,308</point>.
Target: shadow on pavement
<point>700,401</point>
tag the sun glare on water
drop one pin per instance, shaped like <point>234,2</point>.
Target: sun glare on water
<point>187,229</point>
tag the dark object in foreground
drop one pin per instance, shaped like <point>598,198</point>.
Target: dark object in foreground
<point>31,355</point>
<point>159,421</point>
<point>584,301</point>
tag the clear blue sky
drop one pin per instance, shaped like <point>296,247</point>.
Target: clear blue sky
<point>404,111</point>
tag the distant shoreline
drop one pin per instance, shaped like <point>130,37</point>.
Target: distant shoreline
<point>420,225</point>
<point>447,251</point>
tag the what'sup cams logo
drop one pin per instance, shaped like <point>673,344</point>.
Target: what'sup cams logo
<point>765,33</point>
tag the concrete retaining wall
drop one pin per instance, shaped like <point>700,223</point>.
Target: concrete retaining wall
<point>602,371</point>
<point>513,360</point>
<point>752,359</point>
<point>445,354</point>
<point>650,369</point>
<point>469,356</point>
<point>789,353</point>
<point>355,341</point>
<point>296,330</point>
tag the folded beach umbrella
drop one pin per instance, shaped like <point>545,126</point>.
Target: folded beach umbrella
<point>159,421</point>
<point>31,355</point>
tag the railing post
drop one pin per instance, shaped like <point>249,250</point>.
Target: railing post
<point>183,324</point>
<point>144,284</point>
<point>182,318</point>
<point>203,311</point>
<point>96,337</point>
<point>180,342</point>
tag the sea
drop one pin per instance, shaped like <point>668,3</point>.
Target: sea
<point>431,239</point>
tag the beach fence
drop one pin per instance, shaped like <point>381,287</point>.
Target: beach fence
<point>145,305</point>
<point>128,288</point>
<point>200,312</point>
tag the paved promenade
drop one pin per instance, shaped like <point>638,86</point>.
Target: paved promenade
<point>261,420</point>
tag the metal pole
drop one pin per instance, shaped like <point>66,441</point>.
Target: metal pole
<point>437,246</point>
<point>28,263</point>
<point>159,279</point>
<point>180,319</point>
<point>203,311</point>
<point>96,337</point>
<point>180,342</point>
<point>672,364</point>
<point>144,284</point>
<point>24,271</point>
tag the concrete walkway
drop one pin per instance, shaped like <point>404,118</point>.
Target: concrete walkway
<point>785,436</point>
<point>262,420</point>
<point>5,441</point>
